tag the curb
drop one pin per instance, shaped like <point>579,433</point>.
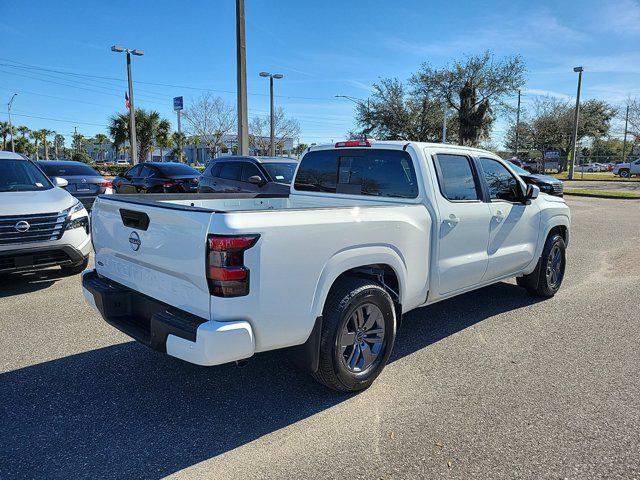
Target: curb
<point>597,180</point>
<point>613,197</point>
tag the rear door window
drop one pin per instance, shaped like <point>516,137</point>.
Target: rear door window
<point>374,172</point>
<point>231,170</point>
<point>456,178</point>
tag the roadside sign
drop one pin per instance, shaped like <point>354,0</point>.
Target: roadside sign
<point>555,154</point>
<point>178,103</point>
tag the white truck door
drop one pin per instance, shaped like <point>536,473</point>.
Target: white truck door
<point>514,227</point>
<point>463,231</point>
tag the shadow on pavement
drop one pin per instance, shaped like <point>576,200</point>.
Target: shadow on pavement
<point>19,283</point>
<point>127,411</point>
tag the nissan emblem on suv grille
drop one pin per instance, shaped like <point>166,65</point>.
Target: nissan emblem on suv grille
<point>22,226</point>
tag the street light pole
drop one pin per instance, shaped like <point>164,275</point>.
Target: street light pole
<point>132,111</point>
<point>626,129</point>
<point>272,128</point>
<point>241,51</point>
<point>360,102</point>
<point>444,122</point>
<point>579,71</point>
<point>13,147</point>
<point>515,153</point>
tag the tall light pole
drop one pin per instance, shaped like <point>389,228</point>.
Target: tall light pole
<point>444,122</point>
<point>13,147</point>
<point>241,52</point>
<point>360,102</point>
<point>626,129</point>
<point>132,112</point>
<point>272,136</point>
<point>515,153</point>
<point>574,148</point>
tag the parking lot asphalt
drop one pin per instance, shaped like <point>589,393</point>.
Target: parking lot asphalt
<point>491,384</point>
<point>610,186</point>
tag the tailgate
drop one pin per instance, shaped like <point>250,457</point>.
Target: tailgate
<point>154,249</point>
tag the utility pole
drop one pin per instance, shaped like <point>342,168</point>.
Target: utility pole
<point>444,122</point>
<point>75,138</point>
<point>574,145</point>
<point>13,147</point>
<point>515,154</point>
<point>626,129</point>
<point>241,50</point>
<point>360,103</point>
<point>132,111</point>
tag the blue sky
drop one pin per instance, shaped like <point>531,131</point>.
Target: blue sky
<point>323,49</point>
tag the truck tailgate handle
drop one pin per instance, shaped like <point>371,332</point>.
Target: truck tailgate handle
<point>133,219</point>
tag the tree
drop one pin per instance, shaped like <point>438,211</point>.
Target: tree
<point>101,139</point>
<point>147,124</point>
<point>634,116</point>
<point>119,130</point>
<point>210,118</point>
<point>83,157</point>
<point>301,147</point>
<point>260,126</point>
<point>24,146</point>
<point>162,136</point>
<point>44,136</point>
<point>35,136</point>
<point>553,125</point>
<point>23,130</point>
<point>178,139</point>
<point>78,142</point>
<point>394,112</point>
<point>4,132</point>
<point>525,137</point>
<point>475,88</point>
<point>195,140</point>
<point>58,143</point>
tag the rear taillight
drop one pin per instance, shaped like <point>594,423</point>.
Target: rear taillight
<point>106,184</point>
<point>226,273</point>
<point>353,143</point>
<point>168,184</point>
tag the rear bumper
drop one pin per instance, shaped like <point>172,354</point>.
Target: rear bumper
<point>165,328</point>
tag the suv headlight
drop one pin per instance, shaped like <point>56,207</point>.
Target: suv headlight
<point>81,220</point>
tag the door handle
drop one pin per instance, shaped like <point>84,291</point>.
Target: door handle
<point>499,216</point>
<point>452,220</point>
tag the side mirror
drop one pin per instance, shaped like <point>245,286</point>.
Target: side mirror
<point>60,182</point>
<point>532,192</point>
<point>256,180</point>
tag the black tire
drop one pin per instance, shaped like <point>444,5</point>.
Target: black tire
<point>345,300</point>
<point>624,173</point>
<point>541,282</point>
<point>76,268</point>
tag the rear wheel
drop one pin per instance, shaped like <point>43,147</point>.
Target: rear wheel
<point>625,173</point>
<point>358,333</point>
<point>547,278</point>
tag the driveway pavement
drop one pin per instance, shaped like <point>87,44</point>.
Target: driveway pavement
<point>492,384</point>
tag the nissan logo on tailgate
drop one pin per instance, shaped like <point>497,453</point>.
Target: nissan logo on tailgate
<point>134,241</point>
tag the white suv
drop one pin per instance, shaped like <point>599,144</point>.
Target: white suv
<point>41,224</point>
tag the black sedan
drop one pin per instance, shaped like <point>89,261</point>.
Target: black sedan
<point>85,183</point>
<point>157,177</point>
<point>547,184</point>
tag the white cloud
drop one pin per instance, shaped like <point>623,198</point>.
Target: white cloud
<point>621,16</point>
<point>546,93</point>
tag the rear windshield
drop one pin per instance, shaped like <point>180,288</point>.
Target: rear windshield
<point>21,176</point>
<point>172,169</point>
<point>281,172</point>
<point>375,172</point>
<point>67,170</point>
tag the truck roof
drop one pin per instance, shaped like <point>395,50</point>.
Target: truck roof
<point>401,143</point>
<point>10,156</point>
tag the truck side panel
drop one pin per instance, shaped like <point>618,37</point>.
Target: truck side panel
<point>298,247</point>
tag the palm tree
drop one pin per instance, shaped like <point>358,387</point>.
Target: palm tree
<point>195,140</point>
<point>78,142</point>
<point>58,143</point>
<point>35,136</point>
<point>44,134</point>
<point>179,139</point>
<point>147,124</point>
<point>101,140</point>
<point>4,132</point>
<point>23,130</point>
<point>162,136</point>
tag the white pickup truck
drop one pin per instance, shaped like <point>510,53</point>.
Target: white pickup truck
<point>627,169</point>
<point>369,231</point>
